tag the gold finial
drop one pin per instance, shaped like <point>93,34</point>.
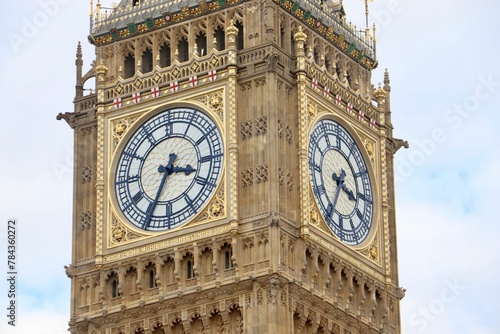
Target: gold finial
<point>300,35</point>
<point>380,94</point>
<point>101,71</point>
<point>231,29</point>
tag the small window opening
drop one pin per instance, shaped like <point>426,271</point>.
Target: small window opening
<point>189,270</point>
<point>228,259</point>
<point>239,41</point>
<point>165,55</point>
<point>114,288</point>
<point>220,38</point>
<point>129,66</point>
<point>152,282</point>
<point>201,44</point>
<point>183,48</point>
<point>147,61</point>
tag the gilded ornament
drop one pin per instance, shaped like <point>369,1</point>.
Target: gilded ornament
<point>216,209</point>
<point>314,217</point>
<point>311,110</point>
<point>120,128</point>
<point>118,234</point>
<point>373,252</point>
<point>370,149</point>
<point>215,101</point>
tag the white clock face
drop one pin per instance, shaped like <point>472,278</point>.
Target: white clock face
<point>169,169</point>
<point>340,181</point>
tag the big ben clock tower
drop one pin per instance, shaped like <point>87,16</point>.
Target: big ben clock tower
<point>233,173</point>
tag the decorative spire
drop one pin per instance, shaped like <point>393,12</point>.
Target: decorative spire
<point>387,81</point>
<point>79,68</point>
<point>79,54</point>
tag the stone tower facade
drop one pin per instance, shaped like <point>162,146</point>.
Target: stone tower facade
<point>204,196</point>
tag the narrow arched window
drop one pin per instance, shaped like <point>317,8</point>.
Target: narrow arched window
<point>201,44</point>
<point>228,261</point>
<point>282,37</point>
<point>189,270</point>
<point>114,288</point>
<point>165,55</point>
<point>239,40</point>
<point>147,61</point>
<point>135,3</point>
<point>152,283</point>
<point>129,66</point>
<point>220,39</point>
<point>183,48</point>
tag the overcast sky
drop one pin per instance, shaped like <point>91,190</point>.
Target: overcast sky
<point>443,58</point>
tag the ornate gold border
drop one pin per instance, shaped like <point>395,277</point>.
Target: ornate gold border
<point>120,125</point>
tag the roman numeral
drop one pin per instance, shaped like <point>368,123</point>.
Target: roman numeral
<point>206,158</point>
<point>320,190</point>
<point>365,198</point>
<point>316,168</point>
<point>361,173</point>
<point>132,154</point>
<point>137,197</point>
<point>199,141</point>
<point>168,129</point>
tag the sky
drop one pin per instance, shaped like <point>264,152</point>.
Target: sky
<point>443,60</point>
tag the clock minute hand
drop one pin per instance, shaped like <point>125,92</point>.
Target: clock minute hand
<point>340,181</point>
<point>166,170</point>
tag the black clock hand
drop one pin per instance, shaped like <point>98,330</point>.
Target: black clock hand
<point>348,191</point>
<point>340,181</point>
<point>166,170</point>
<point>187,170</point>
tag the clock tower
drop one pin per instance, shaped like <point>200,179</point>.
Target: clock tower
<point>233,172</point>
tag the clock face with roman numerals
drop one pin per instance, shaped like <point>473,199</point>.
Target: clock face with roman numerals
<point>340,182</point>
<point>169,169</point>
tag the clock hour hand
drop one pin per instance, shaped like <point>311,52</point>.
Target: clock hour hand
<point>186,170</point>
<point>166,170</point>
<point>340,181</point>
<point>340,184</point>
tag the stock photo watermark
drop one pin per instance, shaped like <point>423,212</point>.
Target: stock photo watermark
<point>422,319</point>
<point>453,118</point>
<point>30,26</point>
<point>64,169</point>
<point>383,17</point>
<point>11,260</point>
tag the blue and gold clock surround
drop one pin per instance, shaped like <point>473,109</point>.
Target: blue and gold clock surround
<point>341,182</point>
<point>168,169</point>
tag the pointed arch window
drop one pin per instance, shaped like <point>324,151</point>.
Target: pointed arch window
<point>152,281</point>
<point>165,55</point>
<point>292,45</point>
<point>183,48</point>
<point>114,288</point>
<point>228,259</point>
<point>239,39</point>
<point>220,39</point>
<point>129,66</point>
<point>147,61</point>
<point>189,269</point>
<point>201,44</point>
<point>282,37</point>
